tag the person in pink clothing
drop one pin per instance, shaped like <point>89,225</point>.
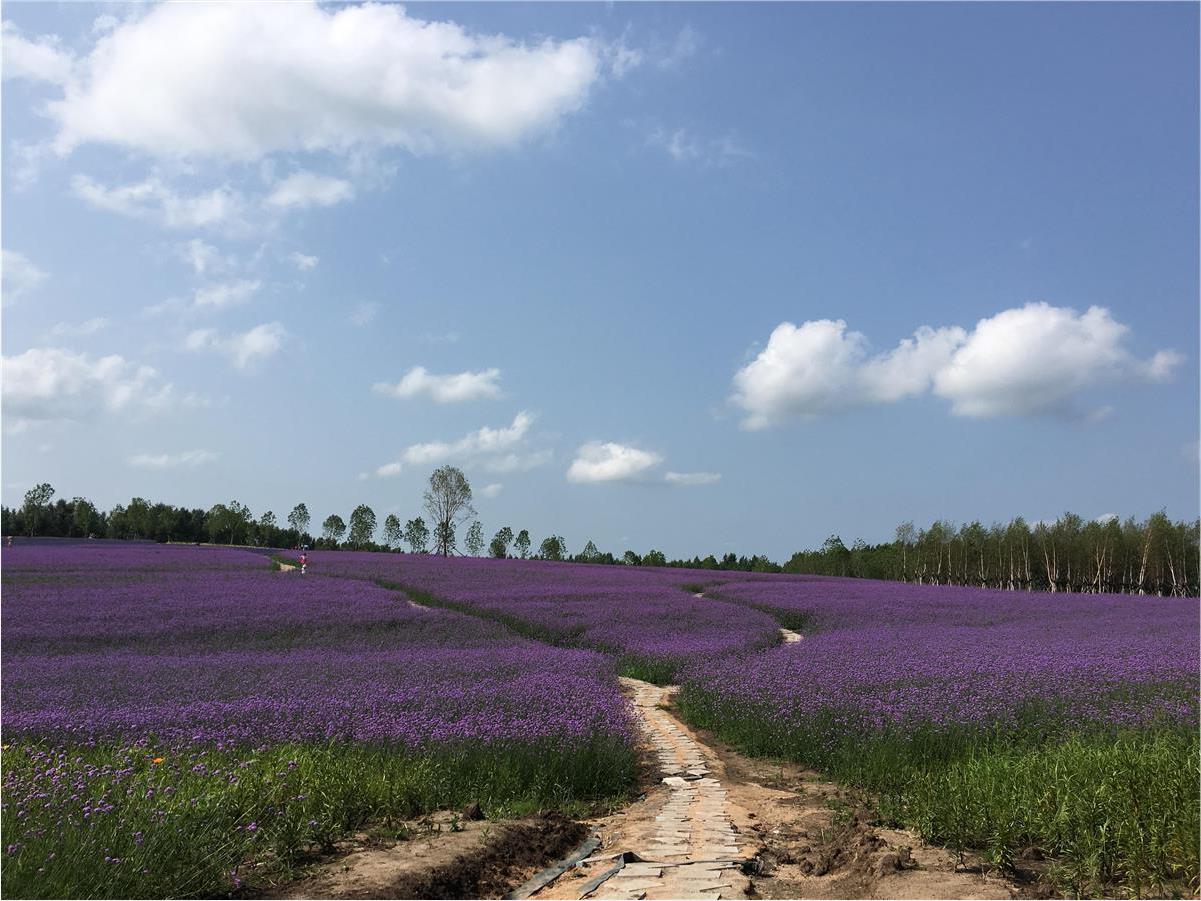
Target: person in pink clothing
<point>304,562</point>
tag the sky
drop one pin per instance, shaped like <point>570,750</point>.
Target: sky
<point>699,277</point>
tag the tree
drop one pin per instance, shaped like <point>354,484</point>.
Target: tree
<point>84,516</point>
<point>522,543</point>
<point>654,558</point>
<point>475,539</point>
<point>267,529</point>
<point>416,535</point>
<point>299,520</point>
<point>36,498</point>
<point>448,502</point>
<point>362,526</point>
<point>333,528</point>
<point>500,543</point>
<point>391,530</point>
<point>629,558</point>
<point>590,554</point>
<point>444,539</point>
<point>553,548</point>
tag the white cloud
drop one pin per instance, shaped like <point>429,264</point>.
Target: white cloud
<point>303,262</point>
<point>686,45</point>
<point>1030,360</point>
<point>242,348</point>
<point>491,490</point>
<point>153,200</point>
<point>225,294</point>
<point>201,256</point>
<point>493,449</point>
<point>301,190</point>
<point>18,276</point>
<point>78,329</point>
<point>609,462</point>
<point>190,459</point>
<point>685,147</point>
<point>54,384</point>
<point>243,80</point>
<point>40,59</point>
<point>1037,359</point>
<point>1106,518</point>
<point>444,389</point>
<point>692,478</point>
<point>364,313</point>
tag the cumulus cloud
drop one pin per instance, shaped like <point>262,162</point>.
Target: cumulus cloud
<point>1031,360</point>
<point>189,459</point>
<point>49,383</point>
<point>225,294</point>
<point>1037,359</point>
<point>301,190</point>
<point>242,348</point>
<point>502,449</point>
<point>444,389</point>
<point>180,80</point>
<point>40,59</point>
<point>491,490</point>
<point>610,462</point>
<point>692,478</point>
<point>18,276</point>
<point>78,329</point>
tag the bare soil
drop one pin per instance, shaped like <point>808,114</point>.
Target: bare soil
<point>446,857</point>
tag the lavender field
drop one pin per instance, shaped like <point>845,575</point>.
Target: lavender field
<point>174,714</point>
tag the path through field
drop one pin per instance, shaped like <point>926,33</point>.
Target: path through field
<point>719,825</point>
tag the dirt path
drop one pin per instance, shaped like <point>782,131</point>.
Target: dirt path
<point>716,824</point>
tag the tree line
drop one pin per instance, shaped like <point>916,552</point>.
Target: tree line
<point>1154,556</point>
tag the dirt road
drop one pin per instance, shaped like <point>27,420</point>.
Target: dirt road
<point>720,825</point>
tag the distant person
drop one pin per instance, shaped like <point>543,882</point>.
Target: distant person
<point>304,562</point>
<point>8,541</point>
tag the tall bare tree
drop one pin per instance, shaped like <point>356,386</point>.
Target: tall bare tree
<point>448,502</point>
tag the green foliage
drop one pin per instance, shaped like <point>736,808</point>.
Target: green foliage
<point>333,528</point>
<point>185,827</point>
<point>417,535</point>
<point>475,539</point>
<point>362,526</point>
<point>499,546</point>
<point>1114,811</point>
<point>553,547</point>
<point>392,533</point>
<point>522,543</point>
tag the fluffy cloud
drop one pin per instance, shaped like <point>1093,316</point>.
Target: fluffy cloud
<point>444,389</point>
<point>307,189</point>
<point>189,459</point>
<point>692,478</point>
<point>610,462</point>
<point>685,147</point>
<point>1035,359</point>
<point>18,276</point>
<point>493,449</point>
<point>155,201</point>
<point>242,348</point>
<point>35,60</point>
<point>180,80</point>
<point>54,384</point>
<point>202,256</point>
<point>491,490</point>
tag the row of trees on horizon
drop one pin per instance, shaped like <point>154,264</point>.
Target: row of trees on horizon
<point>1153,556</point>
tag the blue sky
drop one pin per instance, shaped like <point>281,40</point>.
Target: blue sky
<point>700,277</point>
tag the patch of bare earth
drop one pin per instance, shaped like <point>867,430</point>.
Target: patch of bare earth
<point>715,824</point>
<point>445,857</point>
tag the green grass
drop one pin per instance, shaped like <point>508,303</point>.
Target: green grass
<point>1116,812</point>
<point>190,825</point>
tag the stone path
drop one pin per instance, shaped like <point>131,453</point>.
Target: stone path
<point>694,851</point>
